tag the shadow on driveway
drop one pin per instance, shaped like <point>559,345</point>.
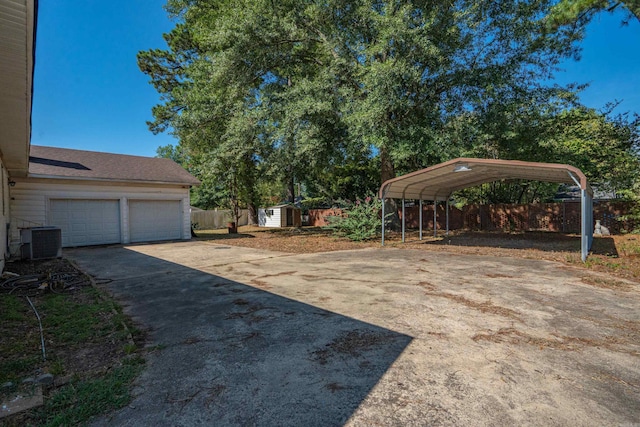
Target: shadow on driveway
<point>232,354</point>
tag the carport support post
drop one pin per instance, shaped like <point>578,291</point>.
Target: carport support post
<point>587,224</point>
<point>435,218</point>
<point>447,232</point>
<point>420,215</point>
<point>403,220</point>
<point>382,221</point>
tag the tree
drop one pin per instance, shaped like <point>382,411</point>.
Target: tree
<point>603,146</point>
<point>211,193</point>
<point>581,11</point>
<point>216,130</point>
<point>292,90</point>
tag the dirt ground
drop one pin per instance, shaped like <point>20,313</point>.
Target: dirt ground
<point>615,255</point>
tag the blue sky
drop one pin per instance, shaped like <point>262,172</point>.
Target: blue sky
<point>89,93</point>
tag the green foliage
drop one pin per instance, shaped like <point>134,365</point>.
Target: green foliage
<point>313,203</point>
<point>338,96</point>
<point>295,92</point>
<point>18,346</point>
<point>633,216</point>
<point>513,191</point>
<point>360,220</point>
<point>579,11</point>
<point>604,147</point>
<point>12,308</point>
<point>346,180</point>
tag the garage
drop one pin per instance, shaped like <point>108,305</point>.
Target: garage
<point>151,220</point>
<point>101,198</point>
<point>86,222</point>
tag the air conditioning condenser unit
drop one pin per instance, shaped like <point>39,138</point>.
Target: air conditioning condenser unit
<point>41,242</point>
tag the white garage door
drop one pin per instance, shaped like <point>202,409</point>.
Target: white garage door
<point>155,220</point>
<point>86,222</point>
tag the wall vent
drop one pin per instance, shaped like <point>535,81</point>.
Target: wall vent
<point>41,242</point>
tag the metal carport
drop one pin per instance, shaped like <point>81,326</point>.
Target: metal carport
<point>438,182</point>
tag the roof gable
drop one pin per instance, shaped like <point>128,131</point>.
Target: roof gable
<point>52,162</point>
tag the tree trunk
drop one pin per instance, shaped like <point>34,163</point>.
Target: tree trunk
<point>253,213</point>
<point>291,191</point>
<point>387,171</point>
<point>249,184</point>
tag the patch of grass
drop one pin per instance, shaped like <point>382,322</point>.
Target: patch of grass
<point>130,348</point>
<point>56,367</point>
<point>11,370</point>
<point>87,340</point>
<point>76,322</point>
<point>18,342</point>
<point>607,283</point>
<point>157,347</point>
<point>12,309</point>
<point>595,260</point>
<point>77,402</point>
<point>630,247</point>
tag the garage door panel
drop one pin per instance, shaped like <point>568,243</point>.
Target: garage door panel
<point>86,222</point>
<point>151,220</point>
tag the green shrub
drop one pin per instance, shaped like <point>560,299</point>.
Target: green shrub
<point>359,221</point>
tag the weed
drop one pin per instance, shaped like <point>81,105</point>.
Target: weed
<point>130,348</point>
<point>158,347</point>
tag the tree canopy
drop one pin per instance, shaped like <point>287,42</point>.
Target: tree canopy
<point>579,11</point>
<point>336,96</point>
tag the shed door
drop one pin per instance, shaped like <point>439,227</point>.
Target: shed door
<point>86,222</point>
<point>155,220</point>
<point>289,217</point>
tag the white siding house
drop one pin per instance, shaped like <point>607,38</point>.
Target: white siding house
<point>101,198</point>
<point>95,198</point>
<point>17,36</point>
<point>280,216</point>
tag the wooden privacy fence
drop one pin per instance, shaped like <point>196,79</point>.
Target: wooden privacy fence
<point>560,217</point>
<point>317,216</point>
<point>209,220</point>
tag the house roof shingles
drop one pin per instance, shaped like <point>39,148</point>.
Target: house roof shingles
<point>79,164</point>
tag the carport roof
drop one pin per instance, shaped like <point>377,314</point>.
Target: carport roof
<point>439,181</point>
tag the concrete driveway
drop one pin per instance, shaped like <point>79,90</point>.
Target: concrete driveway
<point>371,337</point>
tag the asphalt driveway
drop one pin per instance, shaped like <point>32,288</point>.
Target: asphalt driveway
<point>372,337</point>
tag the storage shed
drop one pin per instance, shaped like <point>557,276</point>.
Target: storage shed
<point>101,198</point>
<point>286,215</point>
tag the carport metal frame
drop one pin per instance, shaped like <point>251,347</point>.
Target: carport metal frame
<point>437,183</point>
